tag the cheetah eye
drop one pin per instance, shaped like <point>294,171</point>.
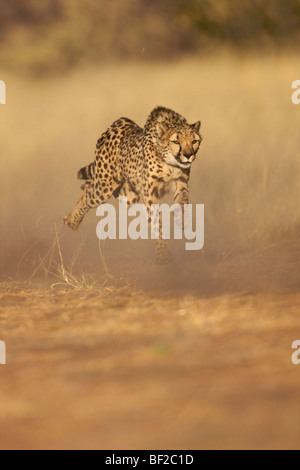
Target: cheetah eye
<point>175,142</point>
<point>195,142</point>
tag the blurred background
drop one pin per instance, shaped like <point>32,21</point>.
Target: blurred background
<point>73,67</point>
<point>192,355</point>
<point>54,35</point>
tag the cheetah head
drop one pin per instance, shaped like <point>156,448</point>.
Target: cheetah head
<point>179,146</point>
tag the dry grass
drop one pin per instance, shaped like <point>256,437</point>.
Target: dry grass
<point>247,173</point>
<point>196,355</point>
<point>100,370</point>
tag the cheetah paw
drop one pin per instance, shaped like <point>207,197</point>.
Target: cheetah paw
<point>67,221</point>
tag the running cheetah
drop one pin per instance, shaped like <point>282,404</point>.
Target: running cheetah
<point>141,164</point>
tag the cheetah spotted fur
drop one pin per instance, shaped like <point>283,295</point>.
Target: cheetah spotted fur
<point>142,164</point>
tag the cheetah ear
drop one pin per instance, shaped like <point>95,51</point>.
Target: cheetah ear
<point>161,128</point>
<point>196,126</point>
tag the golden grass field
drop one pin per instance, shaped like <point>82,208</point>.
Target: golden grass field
<point>132,355</point>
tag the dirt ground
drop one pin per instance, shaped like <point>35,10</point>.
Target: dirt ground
<point>195,355</point>
<point>140,366</point>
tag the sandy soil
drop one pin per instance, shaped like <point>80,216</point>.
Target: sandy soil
<point>194,355</point>
<point>153,366</point>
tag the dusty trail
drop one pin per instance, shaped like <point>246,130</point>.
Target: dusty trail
<point>194,355</point>
<point>121,368</point>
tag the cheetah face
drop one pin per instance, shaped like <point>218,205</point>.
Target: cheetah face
<point>179,148</point>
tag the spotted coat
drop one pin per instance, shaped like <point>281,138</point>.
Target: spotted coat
<point>142,164</point>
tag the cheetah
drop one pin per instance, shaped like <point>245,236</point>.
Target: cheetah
<point>142,164</point>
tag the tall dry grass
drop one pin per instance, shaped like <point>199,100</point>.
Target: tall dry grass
<point>247,173</point>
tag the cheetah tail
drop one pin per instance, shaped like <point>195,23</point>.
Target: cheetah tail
<point>87,172</point>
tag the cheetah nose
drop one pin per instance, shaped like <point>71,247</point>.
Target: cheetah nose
<point>188,155</point>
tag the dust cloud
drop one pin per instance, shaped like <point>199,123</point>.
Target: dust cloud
<point>104,348</point>
<point>247,172</point>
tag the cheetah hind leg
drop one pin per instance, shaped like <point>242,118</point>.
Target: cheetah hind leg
<point>74,219</point>
<point>91,198</point>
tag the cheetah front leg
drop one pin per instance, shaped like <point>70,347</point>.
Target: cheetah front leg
<point>181,197</point>
<point>151,197</point>
<point>163,254</point>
